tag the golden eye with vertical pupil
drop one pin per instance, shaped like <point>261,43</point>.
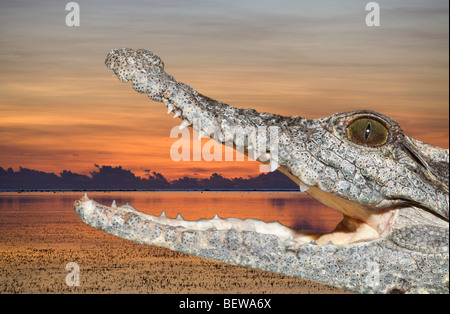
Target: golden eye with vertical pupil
<point>367,131</point>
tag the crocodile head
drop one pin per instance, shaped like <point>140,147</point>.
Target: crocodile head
<point>387,185</point>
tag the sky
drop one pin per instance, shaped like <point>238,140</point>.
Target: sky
<point>60,109</point>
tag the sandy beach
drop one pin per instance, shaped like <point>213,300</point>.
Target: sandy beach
<point>128,268</point>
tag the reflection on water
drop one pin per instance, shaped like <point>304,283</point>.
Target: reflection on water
<point>278,202</point>
<point>290,208</point>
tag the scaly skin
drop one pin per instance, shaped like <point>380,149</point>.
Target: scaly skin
<point>393,195</point>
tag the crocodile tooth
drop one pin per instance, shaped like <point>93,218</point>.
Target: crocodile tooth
<point>303,187</point>
<point>177,114</point>
<point>256,154</point>
<point>179,217</point>
<point>273,165</point>
<point>163,214</point>
<point>114,204</point>
<point>313,242</point>
<point>264,156</point>
<point>330,242</point>
<point>200,135</point>
<point>184,124</point>
<point>170,108</point>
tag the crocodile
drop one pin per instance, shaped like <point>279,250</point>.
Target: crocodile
<point>391,189</point>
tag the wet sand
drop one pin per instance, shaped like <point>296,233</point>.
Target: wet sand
<point>36,246</point>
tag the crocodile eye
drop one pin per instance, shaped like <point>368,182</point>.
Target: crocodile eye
<point>367,131</point>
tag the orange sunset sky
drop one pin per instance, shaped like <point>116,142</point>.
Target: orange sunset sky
<point>61,109</point>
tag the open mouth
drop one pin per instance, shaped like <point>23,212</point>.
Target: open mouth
<point>360,164</point>
<point>359,224</point>
<point>350,230</point>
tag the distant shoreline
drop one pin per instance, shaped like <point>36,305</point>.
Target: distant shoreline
<point>108,178</point>
<point>146,190</point>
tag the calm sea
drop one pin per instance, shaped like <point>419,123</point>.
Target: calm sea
<point>289,208</point>
<point>40,234</point>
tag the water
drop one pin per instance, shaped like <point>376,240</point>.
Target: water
<point>289,208</point>
<point>40,234</point>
